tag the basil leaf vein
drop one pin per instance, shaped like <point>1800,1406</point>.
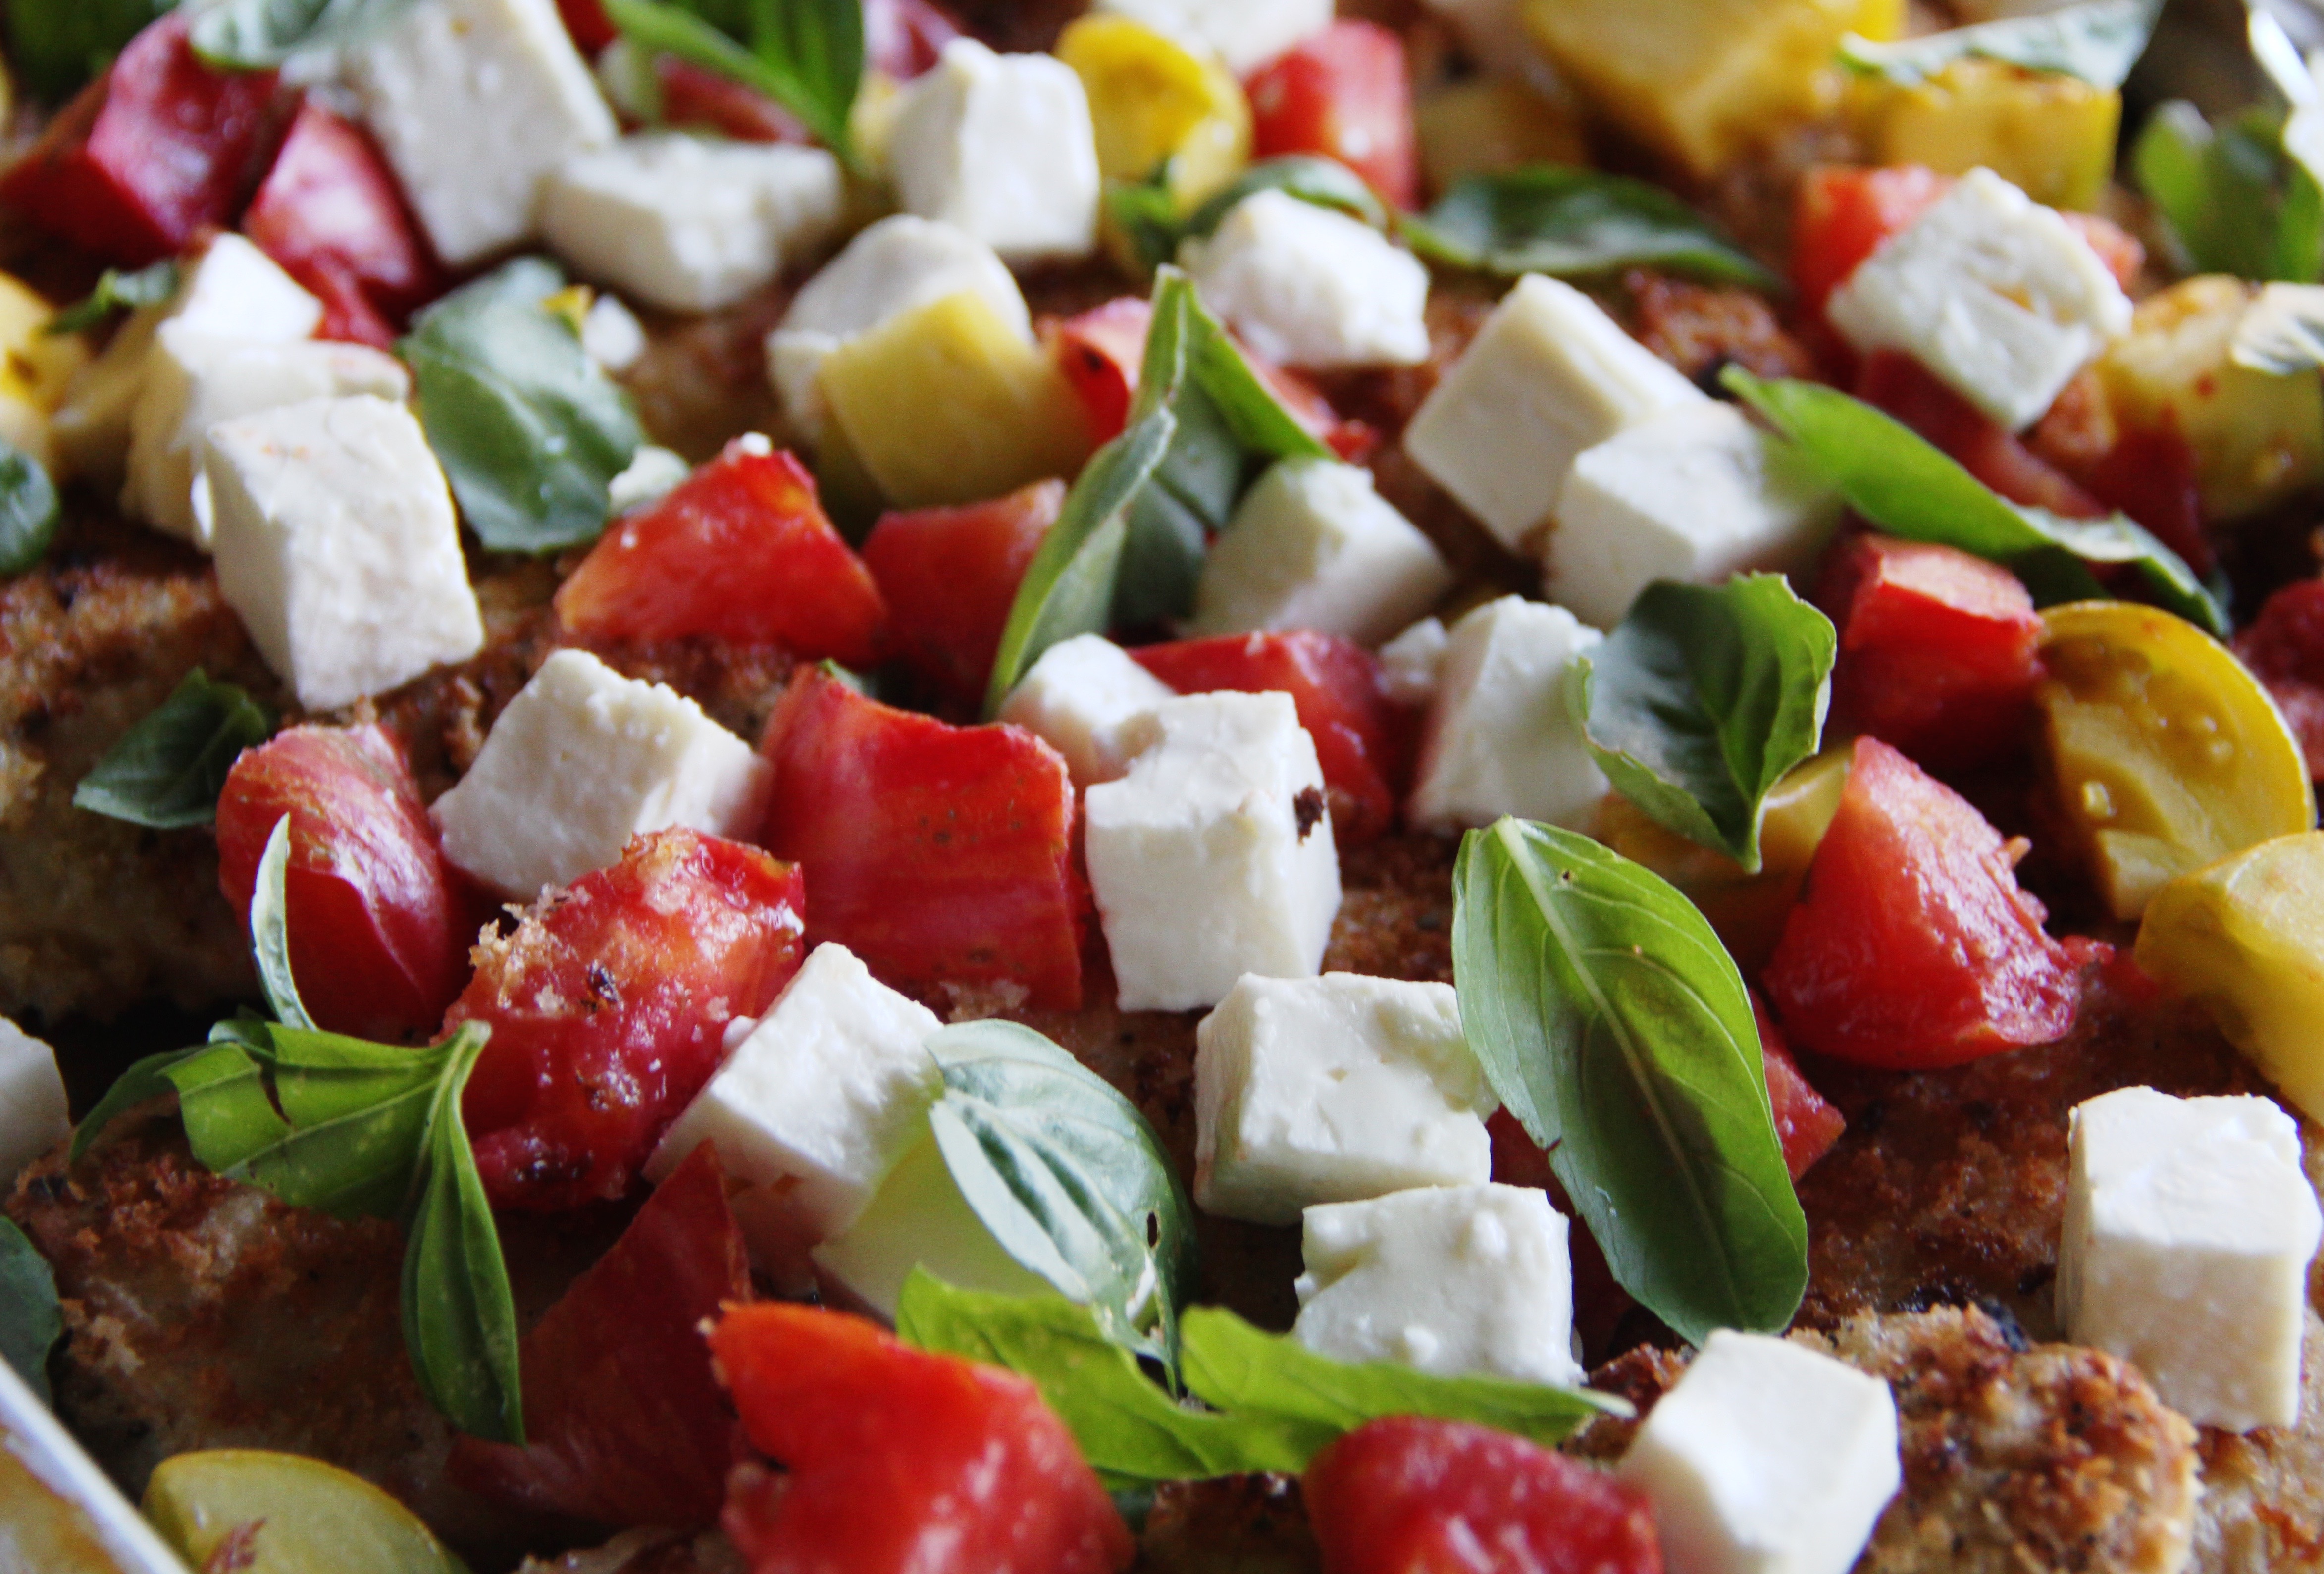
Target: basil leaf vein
<point>806,55</point>
<point>168,770</point>
<point>2097,41</point>
<point>1549,218</point>
<point>31,1321</point>
<point>30,511</point>
<point>117,292</point>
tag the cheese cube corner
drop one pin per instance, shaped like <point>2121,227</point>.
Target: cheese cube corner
<point>1079,698</point>
<point>919,1219</point>
<point>1306,285</point>
<point>33,1114</point>
<point>1499,738</point>
<point>1410,662</point>
<point>1243,33</point>
<point>1003,147</point>
<point>1312,545</point>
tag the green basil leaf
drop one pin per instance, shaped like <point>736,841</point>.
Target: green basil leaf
<point>145,1078</point>
<point>1615,1027</point>
<point>2233,200</point>
<point>117,292</point>
<point>30,511</point>
<point>258,35</point>
<point>30,1319</point>
<point>1144,213</point>
<point>1551,218</point>
<point>56,45</point>
<point>529,431</point>
<point>806,55</point>
<point>357,1116</point>
<point>222,1096</point>
<point>2097,41</point>
<point>168,770</point>
<point>2282,333</point>
<point>1701,701</point>
<point>1910,488</point>
<point>270,929</point>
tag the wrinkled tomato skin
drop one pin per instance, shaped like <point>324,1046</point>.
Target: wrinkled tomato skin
<point>608,1005</point>
<point>330,212</point>
<point>1911,946</point>
<point>1410,1496</point>
<point>1362,738</point>
<point>896,1461</point>
<point>624,1423</point>
<point>1807,1123</point>
<point>948,577</point>
<point>380,923</point>
<point>1900,385</point>
<point>938,854</point>
<point>1344,93</point>
<point>741,550</point>
<point>2284,648</point>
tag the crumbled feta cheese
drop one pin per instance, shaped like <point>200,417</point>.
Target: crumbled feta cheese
<point>650,477</point>
<point>1003,148</point>
<point>1547,375</point>
<point>583,759</point>
<point>1996,295</point>
<point>1213,857</point>
<point>1410,662</point>
<point>611,335</point>
<point>34,1115</point>
<point>1312,545</point>
<point>919,1219</point>
<point>1079,698</point>
<point>1455,1280</point>
<point>1767,1458</point>
<point>334,540</point>
<point>1697,494</point>
<point>476,103</point>
<point>690,223</point>
<point>1334,1089</point>
<point>1308,286</point>
<point>2189,1229</point>
<point>1244,33</point>
<point>1500,739</point>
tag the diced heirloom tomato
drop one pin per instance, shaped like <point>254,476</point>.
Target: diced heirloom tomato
<point>330,212</point>
<point>1344,93</point>
<point>949,575</point>
<point>1806,1123</point>
<point>900,1461</point>
<point>1410,1496</point>
<point>1912,946</point>
<point>2284,648</point>
<point>938,854</point>
<point>608,1006</point>
<point>380,924</point>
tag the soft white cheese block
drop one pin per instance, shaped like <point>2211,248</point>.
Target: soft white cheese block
<point>1244,33</point>
<point>1499,738</point>
<point>583,759</point>
<point>897,266</point>
<point>1309,286</point>
<point>652,474</point>
<point>1213,857</point>
<point>334,539</point>
<point>611,334</point>
<point>1996,295</point>
<point>1334,1089</point>
<point>194,380</point>
<point>1079,699</point>
<point>476,103</point>
<point>1767,1458</point>
<point>817,1103</point>
<point>1696,494</point>
<point>1312,545</point>
<point>1001,147</point>
<point>919,1219</point>
<point>2189,1229</point>
<point>1410,662</point>
<point>34,1115</point>
<point>1455,1280</point>
<point>1547,375</point>
<point>690,223</point>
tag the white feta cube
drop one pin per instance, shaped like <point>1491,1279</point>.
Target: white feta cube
<point>2189,1229</point>
<point>652,474</point>
<point>1334,1089</point>
<point>1079,699</point>
<point>1309,286</point>
<point>1767,1458</point>
<point>1213,857</point>
<point>194,380</point>
<point>1547,375</point>
<point>1697,494</point>
<point>611,335</point>
<point>1003,148</point>
<point>1459,1280</point>
<point>583,759</point>
<point>919,1219</point>
<point>1312,545</point>
<point>1410,662</point>
<point>1244,33</point>
<point>1499,738</point>
<point>1998,296</point>
<point>690,223</point>
<point>334,540</point>
<point>34,1115</point>
<point>476,103</point>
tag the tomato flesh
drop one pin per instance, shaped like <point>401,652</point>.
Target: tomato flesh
<point>331,213</point>
<point>608,1005</point>
<point>1912,946</point>
<point>898,1461</point>
<point>2284,648</point>
<point>1344,93</point>
<point>1899,384</point>
<point>938,854</point>
<point>949,576</point>
<point>1807,1123</point>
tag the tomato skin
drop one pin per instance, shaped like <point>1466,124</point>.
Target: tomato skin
<point>741,551</point>
<point>938,853</point>
<point>949,575</point>
<point>1807,1123</point>
<point>380,923</point>
<point>1408,1496</point>
<point>2284,648</point>
<point>331,213</point>
<point>904,38</point>
<point>1913,947</point>
<point>898,1461</point>
<point>1344,93</point>
<point>607,1007</point>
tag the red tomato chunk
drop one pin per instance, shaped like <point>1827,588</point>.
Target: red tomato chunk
<point>1406,1495</point>
<point>897,1461</point>
<point>949,575</point>
<point>2284,648</point>
<point>1806,1121</point>
<point>331,213</point>
<point>1899,384</point>
<point>1100,353</point>
<point>1345,94</point>
<point>1912,946</point>
<point>608,1006</point>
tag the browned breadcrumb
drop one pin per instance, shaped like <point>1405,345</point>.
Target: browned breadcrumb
<point>1241,1524</point>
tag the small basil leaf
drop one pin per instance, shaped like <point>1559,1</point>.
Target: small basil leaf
<point>147,1078</point>
<point>30,511</point>
<point>1701,701</point>
<point>2282,333</point>
<point>1144,213</point>
<point>2097,41</point>
<point>2232,199</point>
<point>117,292</point>
<point>357,1116</point>
<point>30,1319</point>
<point>258,35</point>
<point>270,929</point>
<point>1550,218</point>
<point>1615,1027</point>
<point>1325,182</point>
<point>168,770</point>
<point>230,1116</point>
<point>56,45</point>
<point>806,55</point>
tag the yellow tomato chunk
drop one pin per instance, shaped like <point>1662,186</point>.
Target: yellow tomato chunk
<point>1488,124</point>
<point>35,365</point>
<point>283,1513</point>
<point>1152,100</point>
<point>2050,134</point>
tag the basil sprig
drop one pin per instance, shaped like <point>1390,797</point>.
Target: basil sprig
<point>1551,218</point>
<point>258,35</point>
<point>2097,42</point>
<point>1615,1027</point>
<point>2233,199</point>
<point>117,292</point>
<point>270,929</point>
<point>1909,487</point>
<point>1147,213</point>
<point>167,770</point>
<point>30,511</point>
<point>30,1319</point>
<point>529,431</point>
<point>56,45</point>
<point>806,55</point>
